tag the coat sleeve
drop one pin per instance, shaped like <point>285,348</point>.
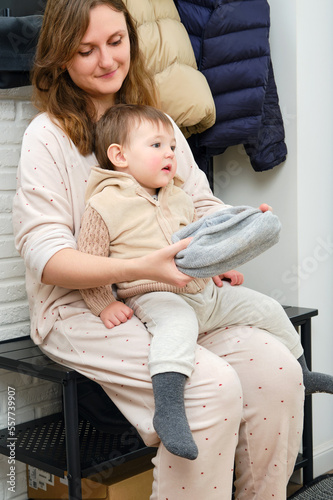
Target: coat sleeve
<point>94,239</point>
<point>269,148</point>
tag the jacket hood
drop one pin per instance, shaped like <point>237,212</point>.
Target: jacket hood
<point>101,178</point>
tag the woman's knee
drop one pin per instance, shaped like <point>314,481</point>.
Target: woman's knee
<point>214,387</point>
<point>279,374</point>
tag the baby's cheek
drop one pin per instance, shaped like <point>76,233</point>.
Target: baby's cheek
<point>155,165</point>
<point>156,161</point>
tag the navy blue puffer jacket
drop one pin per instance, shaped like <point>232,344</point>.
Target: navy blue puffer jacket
<point>230,39</point>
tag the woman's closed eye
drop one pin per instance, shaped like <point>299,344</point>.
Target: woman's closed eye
<point>114,43</point>
<point>85,53</point>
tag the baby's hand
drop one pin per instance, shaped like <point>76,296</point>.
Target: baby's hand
<point>116,313</point>
<point>264,207</point>
<point>235,278</point>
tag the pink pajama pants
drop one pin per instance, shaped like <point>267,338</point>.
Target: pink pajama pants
<point>244,402</point>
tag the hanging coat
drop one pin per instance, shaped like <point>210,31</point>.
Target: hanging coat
<point>230,40</point>
<point>184,91</point>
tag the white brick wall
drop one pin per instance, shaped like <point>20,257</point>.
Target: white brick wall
<point>33,398</point>
<point>15,113</point>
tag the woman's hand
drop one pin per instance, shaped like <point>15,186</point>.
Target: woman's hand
<point>116,313</point>
<point>235,278</point>
<point>160,265</point>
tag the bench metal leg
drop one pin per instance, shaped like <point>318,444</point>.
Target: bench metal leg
<point>307,431</point>
<point>72,440</point>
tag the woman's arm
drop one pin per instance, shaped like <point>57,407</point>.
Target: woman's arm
<point>72,269</point>
<point>49,200</point>
<point>90,269</point>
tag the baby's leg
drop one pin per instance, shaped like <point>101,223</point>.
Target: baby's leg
<point>170,421</point>
<point>174,329</point>
<point>227,306</point>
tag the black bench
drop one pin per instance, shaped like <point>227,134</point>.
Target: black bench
<point>64,442</point>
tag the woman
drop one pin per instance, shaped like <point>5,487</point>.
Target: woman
<point>87,60</point>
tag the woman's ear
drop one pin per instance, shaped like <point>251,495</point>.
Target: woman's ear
<point>116,156</point>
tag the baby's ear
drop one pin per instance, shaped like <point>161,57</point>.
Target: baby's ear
<point>116,156</point>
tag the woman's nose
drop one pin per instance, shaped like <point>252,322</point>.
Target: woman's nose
<point>105,57</point>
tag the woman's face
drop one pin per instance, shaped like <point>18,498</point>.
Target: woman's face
<point>102,62</point>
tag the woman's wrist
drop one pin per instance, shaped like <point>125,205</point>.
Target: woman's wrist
<point>127,269</point>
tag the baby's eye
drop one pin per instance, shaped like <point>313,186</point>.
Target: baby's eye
<point>156,145</point>
<point>173,148</point>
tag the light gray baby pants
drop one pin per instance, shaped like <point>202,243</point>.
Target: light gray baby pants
<point>175,321</point>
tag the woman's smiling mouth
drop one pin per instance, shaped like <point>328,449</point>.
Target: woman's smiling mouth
<point>108,75</point>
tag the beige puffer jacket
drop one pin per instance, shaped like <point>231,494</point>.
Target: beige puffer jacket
<point>184,91</point>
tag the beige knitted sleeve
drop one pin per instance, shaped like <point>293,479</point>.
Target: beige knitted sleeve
<point>94,238</point>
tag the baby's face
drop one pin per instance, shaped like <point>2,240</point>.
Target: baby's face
<point>150,155</point>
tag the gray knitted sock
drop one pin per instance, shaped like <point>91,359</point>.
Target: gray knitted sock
<point>170,420</point>
<point>315,381</point>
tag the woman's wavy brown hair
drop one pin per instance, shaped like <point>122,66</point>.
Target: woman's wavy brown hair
<point>64,25</point>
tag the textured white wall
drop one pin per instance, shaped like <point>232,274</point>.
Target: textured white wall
<point>315,200</point>
<point>15,113</point>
